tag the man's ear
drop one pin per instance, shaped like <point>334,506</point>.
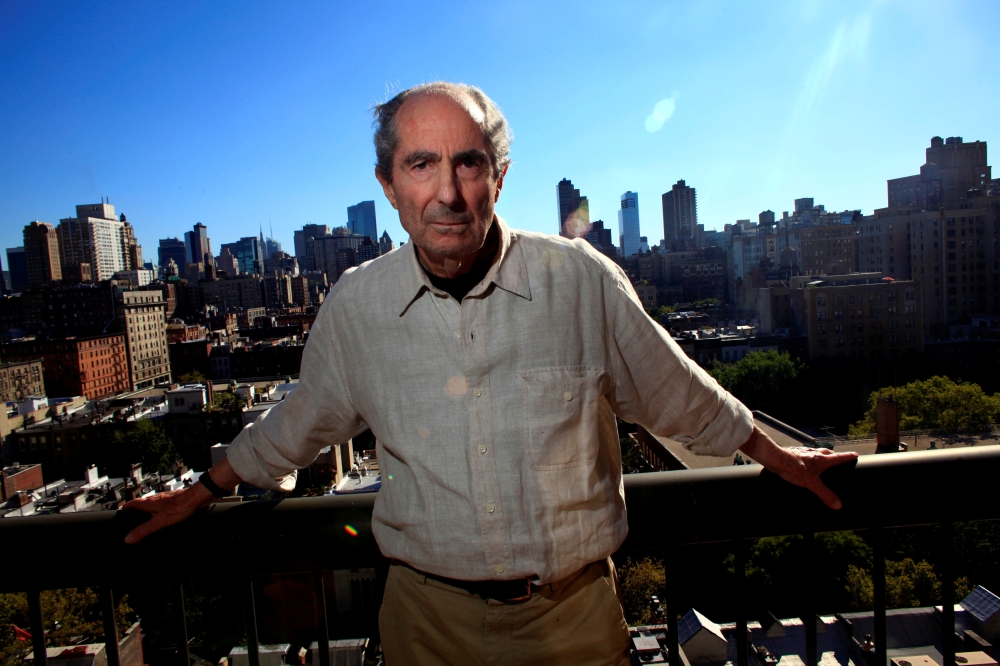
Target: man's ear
<point>496,197</point>
<point>387,189</point>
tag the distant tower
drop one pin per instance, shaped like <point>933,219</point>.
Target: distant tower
<point>198,244</point>
<point>95,237</point>
<point>361,219</point>
<point>41,254</point>
<point>574,210</point>
<point>680,214</point>
<point>628,224</point>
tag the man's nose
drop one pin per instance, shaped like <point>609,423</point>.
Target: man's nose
<point>448,192</point>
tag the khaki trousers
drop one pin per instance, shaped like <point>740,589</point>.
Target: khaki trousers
<point>577,620</point>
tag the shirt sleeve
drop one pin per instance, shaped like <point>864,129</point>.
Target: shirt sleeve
<point>316,414</point>
<point>657,386</point>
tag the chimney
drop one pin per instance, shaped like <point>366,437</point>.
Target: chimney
<point>210,392</point>
<point>887,425</point>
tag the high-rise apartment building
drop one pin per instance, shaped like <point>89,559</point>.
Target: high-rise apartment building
<point>599,237</point>
<point>96,237</point>
<point>361,219</point>
<point>951,169</point>
<point>628,224</point>
<point>574,210</point>
<point>141,317</point>
<point>91,366</point>
<point>829,249</point>
<point>41,254</point>
<point>17,267</point>
<point>199,246</point>
<point>950,229</point>
<point>172,248</point>
<point>680,214</point>
<point>302,238</point>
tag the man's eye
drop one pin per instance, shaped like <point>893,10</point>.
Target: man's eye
<point>420,165</point>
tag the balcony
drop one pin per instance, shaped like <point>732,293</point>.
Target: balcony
<point>668,513</point>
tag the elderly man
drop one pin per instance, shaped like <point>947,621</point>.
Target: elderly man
<point>490,365</point>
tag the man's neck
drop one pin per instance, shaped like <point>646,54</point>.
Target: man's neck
<point>454,267</point>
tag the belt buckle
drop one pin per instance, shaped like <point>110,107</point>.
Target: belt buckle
<point>525,596</point>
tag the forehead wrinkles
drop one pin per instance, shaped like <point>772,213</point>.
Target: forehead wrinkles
<point>413,122</point>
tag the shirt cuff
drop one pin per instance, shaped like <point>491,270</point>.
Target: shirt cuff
<point>250,467</point>
<point>727,432</point>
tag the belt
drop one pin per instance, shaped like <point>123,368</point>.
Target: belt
<point>507,591</point>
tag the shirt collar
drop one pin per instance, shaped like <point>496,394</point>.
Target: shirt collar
<point>508,271</point>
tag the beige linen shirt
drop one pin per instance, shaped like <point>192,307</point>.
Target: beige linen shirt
<point>494,417</point>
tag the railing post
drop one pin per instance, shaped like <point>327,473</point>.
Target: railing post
<point>948,592</point>
<point>250,619</point>
<point>878,582</point>
<point>37,627</point>
<point>740,570</point>
<point>110,625</point>
<point>809,605</point>
<point>324,628</point>
<point>183,658</point>
<point>670,569</point>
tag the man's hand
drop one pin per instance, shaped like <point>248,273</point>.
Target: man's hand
<point>799,465</point>
<point>172,507</point>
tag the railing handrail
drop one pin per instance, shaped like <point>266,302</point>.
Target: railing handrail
<point>665,508</point>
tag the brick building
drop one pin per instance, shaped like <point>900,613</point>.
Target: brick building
<point>21,379</point>
<point>93,366</point>
<point>141,317</point>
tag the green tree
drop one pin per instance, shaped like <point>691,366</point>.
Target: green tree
<point>227,401</point>
<point>193,377</point>
<point>145,443</point>
<point>760,379</point>
<point>908,584</point>
<point>938,404</point>
<point>75,610</point>
<point>638,581</point>
<point>658,312</point>
<point>707,303</point>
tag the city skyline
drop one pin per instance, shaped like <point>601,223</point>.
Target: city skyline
<point>767,130</point>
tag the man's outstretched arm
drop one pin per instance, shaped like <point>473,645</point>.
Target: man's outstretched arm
<point>799,465</point>
<point>172,507</point>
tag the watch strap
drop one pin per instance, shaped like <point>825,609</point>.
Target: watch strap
<point>217,491</point>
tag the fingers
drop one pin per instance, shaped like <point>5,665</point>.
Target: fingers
<point>144,530</point>
<point>825,494</point>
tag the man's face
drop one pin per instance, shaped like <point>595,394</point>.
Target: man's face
<point>443,184</point>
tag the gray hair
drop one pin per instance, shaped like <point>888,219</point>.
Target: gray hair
<point>494,125</point>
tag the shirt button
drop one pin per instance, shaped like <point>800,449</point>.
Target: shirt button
<point>567,396</point>
<point>498,568</point>
<point>482,449</point>
<point>477,392</point>
<point>490,508</point>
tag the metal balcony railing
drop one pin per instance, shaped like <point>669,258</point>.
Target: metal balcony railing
<point>667,511</point>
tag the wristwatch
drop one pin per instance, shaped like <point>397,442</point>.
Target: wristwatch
<point>217,491</point>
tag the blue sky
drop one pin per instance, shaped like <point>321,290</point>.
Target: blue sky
<point>252,113</point>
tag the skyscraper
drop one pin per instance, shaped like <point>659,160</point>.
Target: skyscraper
<point>41,254</point>
<point>361,219</point>
<point>680,214</point>
<point>18,269</point>
<point>97,238</point>
<point>574,210</point>
<point>628,224</point>
<point>249,254</point>
<point>198,245</point>
<point>172,248</point>
<point>302,242</point>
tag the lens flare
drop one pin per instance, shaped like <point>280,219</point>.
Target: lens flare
<point>350,530</point>
<point>661,114</point>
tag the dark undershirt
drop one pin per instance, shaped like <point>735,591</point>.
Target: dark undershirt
<point>460,286</point>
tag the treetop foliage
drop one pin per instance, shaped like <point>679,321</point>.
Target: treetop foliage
<point>938,404</point>
<point>146,443</point>
<point>760,380</point>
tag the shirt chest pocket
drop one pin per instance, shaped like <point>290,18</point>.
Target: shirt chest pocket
<point>560,407</point>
